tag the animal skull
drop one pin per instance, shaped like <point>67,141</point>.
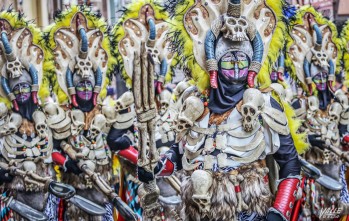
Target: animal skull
<point>78,119</point>
<point>165,98</point>
<point>235,29</point>
<point>202,182</point>
<point>14,68</point>
<point>97,125</point>
<point>109,113</point>
<point>124,101</point>
<point>343,99</point>
<point>320,58</point>
<point>40,124</point>
<point>335,112</point>
<point>154,53</point>
<point>84,67</point>
<point>253,104</point>
<point>313,106</point>
<point>192,109</point>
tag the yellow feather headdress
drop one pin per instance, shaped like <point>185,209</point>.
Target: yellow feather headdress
<point>185,43</point>
<point>93,21</point>
<point>18,22</point>
<point>118,34</point>
<point>345,49</point>
<point>297,22</point>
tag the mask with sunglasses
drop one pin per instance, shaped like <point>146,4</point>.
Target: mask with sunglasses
<point>234,66</point>
<point>320,81</point>
<point>84,90</point>
<point>22,92</point>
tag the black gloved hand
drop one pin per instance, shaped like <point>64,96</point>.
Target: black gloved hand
<point>146,176</point>
<point>71,166</point>
<point>5,176</point>
<point>315,140</point>
<point>121,143</point>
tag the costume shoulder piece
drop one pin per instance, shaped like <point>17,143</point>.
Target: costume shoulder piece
<point>22,58</point>
<point>345,47</point>
<point>213,28</point>
<point>312,48</point>
<point>143,21</point>
<point>80,44</point>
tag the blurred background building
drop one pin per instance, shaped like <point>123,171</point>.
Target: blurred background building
<point>43,10</point>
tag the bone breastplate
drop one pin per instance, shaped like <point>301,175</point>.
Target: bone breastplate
<point>164,132</point>
<point>227,145</point>
<point>96,151</point>
<point>20,147</point>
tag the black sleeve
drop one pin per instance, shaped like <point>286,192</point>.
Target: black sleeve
<point>174,155</point>
<point>57,145</point>
<point>116,141</point>
<point>286,156</point>
<point>343,129</point>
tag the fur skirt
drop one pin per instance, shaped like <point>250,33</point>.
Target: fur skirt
<point>225,201</point>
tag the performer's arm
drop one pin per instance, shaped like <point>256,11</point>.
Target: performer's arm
<point>59,158</point>
<point>287,158</point>
<point>168,164</point>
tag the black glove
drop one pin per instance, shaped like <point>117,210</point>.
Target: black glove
<point>121,143</point>
<point>315,140</point>
<point>146,176</point>
<point>5,176</point>
<point>71,166</point>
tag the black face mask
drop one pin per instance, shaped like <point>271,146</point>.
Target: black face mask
<point>85,105</point>
<point>26,110</point>
<point>227,95</point>
<point>325,97</point>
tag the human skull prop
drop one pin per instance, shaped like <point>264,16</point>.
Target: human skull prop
<point>14,68</point>
<point>13,122</point>
<point>109,113</point>
<point>335,112</point>
<point>154,53</point>
<point>78,121</point>
<point>40,124</point>
<point>125,101</point>
<point>235,29</point>
<point>84,67</point>
<point>313,106</point>
<point>165,99</point>
<point>180,88</point>
<point>97,125</point>
<point>192,109</point>
<point>320,58</point>
<point>253,104</point>
<point>51,109</point>
<point>343,99</point>
<point>202,182</point>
